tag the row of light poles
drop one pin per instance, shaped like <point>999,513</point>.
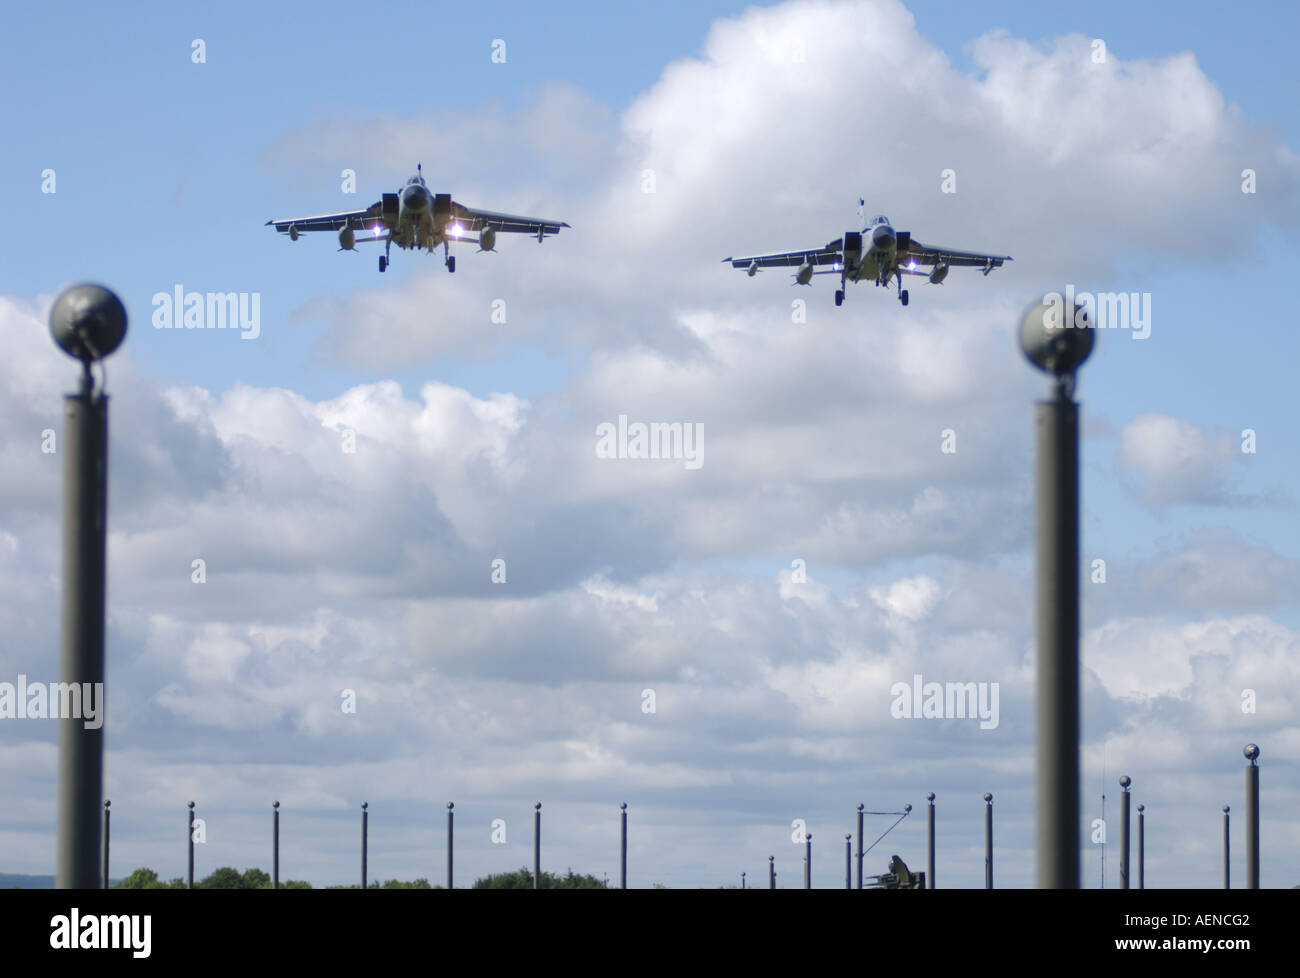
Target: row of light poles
<point>1251,752</point>
<point>365,844</point>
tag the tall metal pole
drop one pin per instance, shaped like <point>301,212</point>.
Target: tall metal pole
<point>771,872</point>
<point>988,841</point>
<point>190,839</point>
<point>1252,817</point>
<point>742,879</point>
<point>807,862</point>
<point>537,846</point>
<point>1124,783</point>
<point>275,845</point>
<point>929,797</point>
<point>1057,487</point>
<point>860,808</point>
<point>81,666</point>
<point>107,803</point>
<point>88,322</point>
<point>1058,347</point>
<point>450,835</point>
<point>848,861</point>
<point>622,859</point>
<point>1141,847</point>
<point>1227,880</point>
<point>365,839</point>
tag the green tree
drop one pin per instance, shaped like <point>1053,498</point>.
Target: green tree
<point>225,878</point>
<point>522,879</point>
<point>142,879</point>
<point>255,879</point>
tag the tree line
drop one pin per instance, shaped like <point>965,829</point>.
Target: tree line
<point>229,878</point>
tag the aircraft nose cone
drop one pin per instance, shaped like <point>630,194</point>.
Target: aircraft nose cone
<point>413,199</point>
<point>883,237</point>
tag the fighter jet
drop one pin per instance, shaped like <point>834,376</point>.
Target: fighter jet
<point>416,218</point>
<point>877,254</point>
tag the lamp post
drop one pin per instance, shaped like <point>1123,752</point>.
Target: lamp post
<point>929,797</point>
<point>1058,347</point>
<point>88,322</point>
<point>988,841</point>
<point>1252,816</point>
<point>1141,847</point>
<point>107,814</point>
<point>622,859</point>
<point>1124,783</point>
<point>1227,872</point>
<point>537,846</point>
<point>275,845</point>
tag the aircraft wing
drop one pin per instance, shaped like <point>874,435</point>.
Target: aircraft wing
<point>830,254</point>
<point>927,255</point>
<point>332,222</point>
<point>473,219</point>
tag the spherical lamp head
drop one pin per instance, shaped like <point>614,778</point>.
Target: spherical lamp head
<point>88,322</point>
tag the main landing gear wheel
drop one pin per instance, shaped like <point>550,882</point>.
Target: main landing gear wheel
<point>902,297</point>
<point>839,297</point>
<point>383,263</point>
<point>451,264</point>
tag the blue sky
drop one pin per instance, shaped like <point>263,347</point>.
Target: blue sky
<point>167,171</point>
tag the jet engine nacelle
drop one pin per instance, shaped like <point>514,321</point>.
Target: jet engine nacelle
<point>940,273</point>
<point>293,232</point>
<point>487,238</point>
<point>805,273</point>
<point>752,270</point>
<point>347,238</point>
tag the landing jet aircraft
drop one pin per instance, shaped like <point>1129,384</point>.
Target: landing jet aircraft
<point>877,253</point>
<point>416,218</point>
